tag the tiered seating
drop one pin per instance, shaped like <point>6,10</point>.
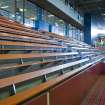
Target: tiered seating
<point>32,62</point>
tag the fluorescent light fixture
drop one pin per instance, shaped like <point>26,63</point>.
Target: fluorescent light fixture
<point>21,9</point>
<point>61,20</point>
<point>4,7</point>
<point>32,18</point>
<point>103,14</point>
<point>50,15</point>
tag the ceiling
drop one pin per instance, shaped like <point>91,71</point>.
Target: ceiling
<point>95,7</point>
<point>90,6</point>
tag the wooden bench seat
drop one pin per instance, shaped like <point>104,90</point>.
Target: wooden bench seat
<point>14,61</point>
<point>14,31</point>
<point>22,96</point>
<point>30,34</point>
<point>3,43</point>
<point>39,73</point>
<point>11,66</point>
<point>35,35</point>
<point>15,37</point>
<point>9,21</point>
<point>49,34</point>
<point>16,24</point>
<point>36,55</point>
<point>32,62</point>
<point>23,77</point>
<point>67,40</point>
<point>27,34</point>
<point>4,19</point>
<point>6,25</point>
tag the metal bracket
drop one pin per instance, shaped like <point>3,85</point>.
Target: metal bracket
<point>21,60</point>
<point>2,46</point>
<point>44,78</point>
<point>62,72</point>
<point>12,90</point>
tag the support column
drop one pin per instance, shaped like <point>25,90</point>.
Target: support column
<point>66,29</point>
<point>87,28</point>
<point>39,13</point>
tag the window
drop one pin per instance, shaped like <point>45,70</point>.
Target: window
<point>49,18</point>
<point>7,8</point>
<point>19,11</point>
<point>81,36</point>
<point>59,26</point>
<point>70,30</point>
<point>30,14</point>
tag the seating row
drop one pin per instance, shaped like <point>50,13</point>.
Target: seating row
<point>30,59</point>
